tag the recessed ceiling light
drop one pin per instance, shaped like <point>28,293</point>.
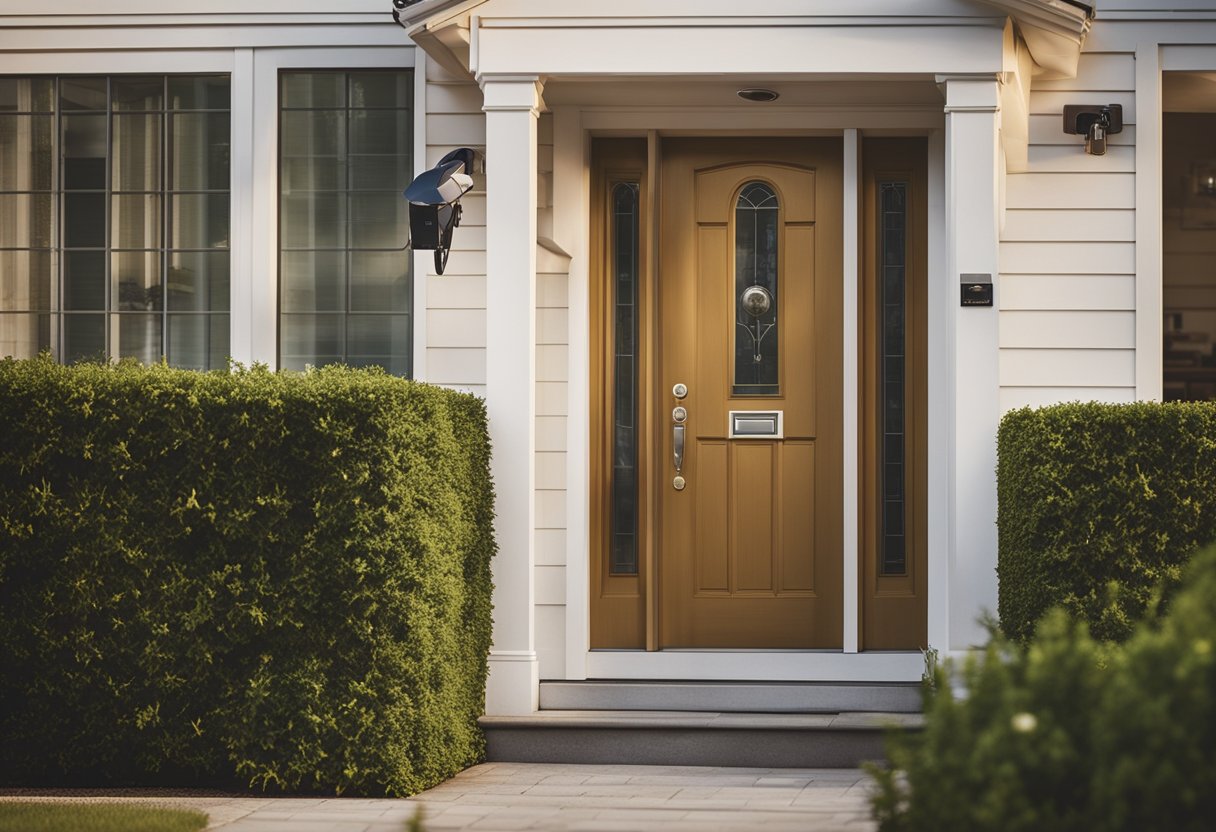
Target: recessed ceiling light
<point>757,94</point>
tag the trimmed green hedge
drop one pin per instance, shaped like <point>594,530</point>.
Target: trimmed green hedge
<point>281,580</point>
<point>1069,733</point>
<point>1099,505</point>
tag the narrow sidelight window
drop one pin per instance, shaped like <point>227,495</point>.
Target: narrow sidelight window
<point>892,369</point>
<point>345,284</point>
<point>756,259</point>
<point>624,517</point>
<point>114,194</point>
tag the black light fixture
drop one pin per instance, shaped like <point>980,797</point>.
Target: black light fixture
<point>1095,122</point>
<point>758,94</point>
<point>434,202</point>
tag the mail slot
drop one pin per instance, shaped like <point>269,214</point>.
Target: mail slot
<point>755,424</point>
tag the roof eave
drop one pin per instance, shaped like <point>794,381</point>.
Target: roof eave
<point>1054,32</point>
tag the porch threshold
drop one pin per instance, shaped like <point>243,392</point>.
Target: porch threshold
<point>730,696</point>
<point>842,740</point>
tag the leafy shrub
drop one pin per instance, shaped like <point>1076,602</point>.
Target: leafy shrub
<point>1070,733</point>
<point>1099,505</point>
<point>281,580</point>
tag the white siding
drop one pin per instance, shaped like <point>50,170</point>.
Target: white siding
<point>456,300</point>
<point>1068,256</point>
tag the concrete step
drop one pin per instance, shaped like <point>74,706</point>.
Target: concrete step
<point>755,740</point>
<point>737,697</point>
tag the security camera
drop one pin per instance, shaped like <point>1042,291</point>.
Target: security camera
<point>1095,122</point>
<point>434,203</point>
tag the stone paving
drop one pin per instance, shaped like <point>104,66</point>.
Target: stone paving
<point>504,797</point>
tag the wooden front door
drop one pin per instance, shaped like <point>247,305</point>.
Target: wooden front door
<point>749,322</point>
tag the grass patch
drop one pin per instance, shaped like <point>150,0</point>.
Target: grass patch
<point>96,817</point>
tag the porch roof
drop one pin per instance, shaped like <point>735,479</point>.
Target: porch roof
<point>1053,30</point>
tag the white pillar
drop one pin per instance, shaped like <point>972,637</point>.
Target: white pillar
<point>512,106</point>
<point>972,247</point>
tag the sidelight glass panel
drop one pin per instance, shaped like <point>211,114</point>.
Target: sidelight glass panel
<point>756,275</point>
<point>625,231</point>
<point>892,304</point>
<point>344,159</point>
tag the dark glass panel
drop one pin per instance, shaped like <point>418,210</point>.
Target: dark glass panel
<point>26,220</point>
<point>199,151</point>
<point>199,92</point>
<point>623,523</point>
<point>135,154</point>
<point>82,93</point>
<point>198,281</point>
<point>197,342</point>
<point>378,220</point>
<point>380,281</point>
<point>27,95</point>
<point>136,281</point>
<point>84,337</point>
<point>84,280</point>
<point>892,252</point>
<point>139,336</point>
<point>312,281</point>
<point>312,339</point>
<point>379,131</point>
<point>24,335</point>
<point>313,89</point>
<point>198,221</point>
<point>84,220</point>
<point>84,153</point>
<point>135,221</point>
<point>26,283</point>
<point>133,92</point>
<point>27,153</point>
<point>377,339</point>
<point>756,292</point>
<point>381,89</point>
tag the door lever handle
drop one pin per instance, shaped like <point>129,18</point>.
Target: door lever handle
<point>677,437</point>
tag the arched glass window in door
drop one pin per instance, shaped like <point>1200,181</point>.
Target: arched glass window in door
<point>756,295</point>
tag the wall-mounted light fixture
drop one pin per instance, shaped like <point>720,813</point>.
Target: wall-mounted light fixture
<point>434,200</point>
<point>1095,122</point>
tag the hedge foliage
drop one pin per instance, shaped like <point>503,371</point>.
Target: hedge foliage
<point>1099,505</point>
<point>1070,733</point>
<point>280,580</point>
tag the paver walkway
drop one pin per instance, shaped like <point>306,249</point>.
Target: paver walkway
<point>504,797</point>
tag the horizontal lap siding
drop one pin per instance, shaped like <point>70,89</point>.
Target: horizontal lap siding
<point>552,383</point>
<point>1068,253</point>
<point>456,300</point>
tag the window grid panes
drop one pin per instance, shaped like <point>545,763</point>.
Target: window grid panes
<point>624,521</point>
<point>892,272</point>
<point>114,228</point>
<point>756,335</point>
<point>345,282</point>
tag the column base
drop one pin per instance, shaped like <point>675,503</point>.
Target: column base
<point>513,686</point>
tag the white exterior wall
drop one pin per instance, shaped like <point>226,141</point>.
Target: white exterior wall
<point>1068,255</point>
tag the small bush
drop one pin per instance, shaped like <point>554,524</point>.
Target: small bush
<point>1070,733</point>
<point>273,579</point>
<point>1099,505</point>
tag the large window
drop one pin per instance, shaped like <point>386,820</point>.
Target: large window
<point>345,284</point>
<point>114,194</point>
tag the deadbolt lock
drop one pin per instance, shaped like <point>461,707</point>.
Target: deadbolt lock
<point>680,390</point>
<point>679,414</point>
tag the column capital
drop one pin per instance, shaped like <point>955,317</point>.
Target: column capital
<point>971,93</point>
<point>512,93</point>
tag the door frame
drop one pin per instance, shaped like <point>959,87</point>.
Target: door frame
<point>573,128</point>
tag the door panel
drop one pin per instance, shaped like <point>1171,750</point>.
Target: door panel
<point>750,548</point>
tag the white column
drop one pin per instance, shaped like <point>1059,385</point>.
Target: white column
<point>512,105</point>
<point>972,246</point>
